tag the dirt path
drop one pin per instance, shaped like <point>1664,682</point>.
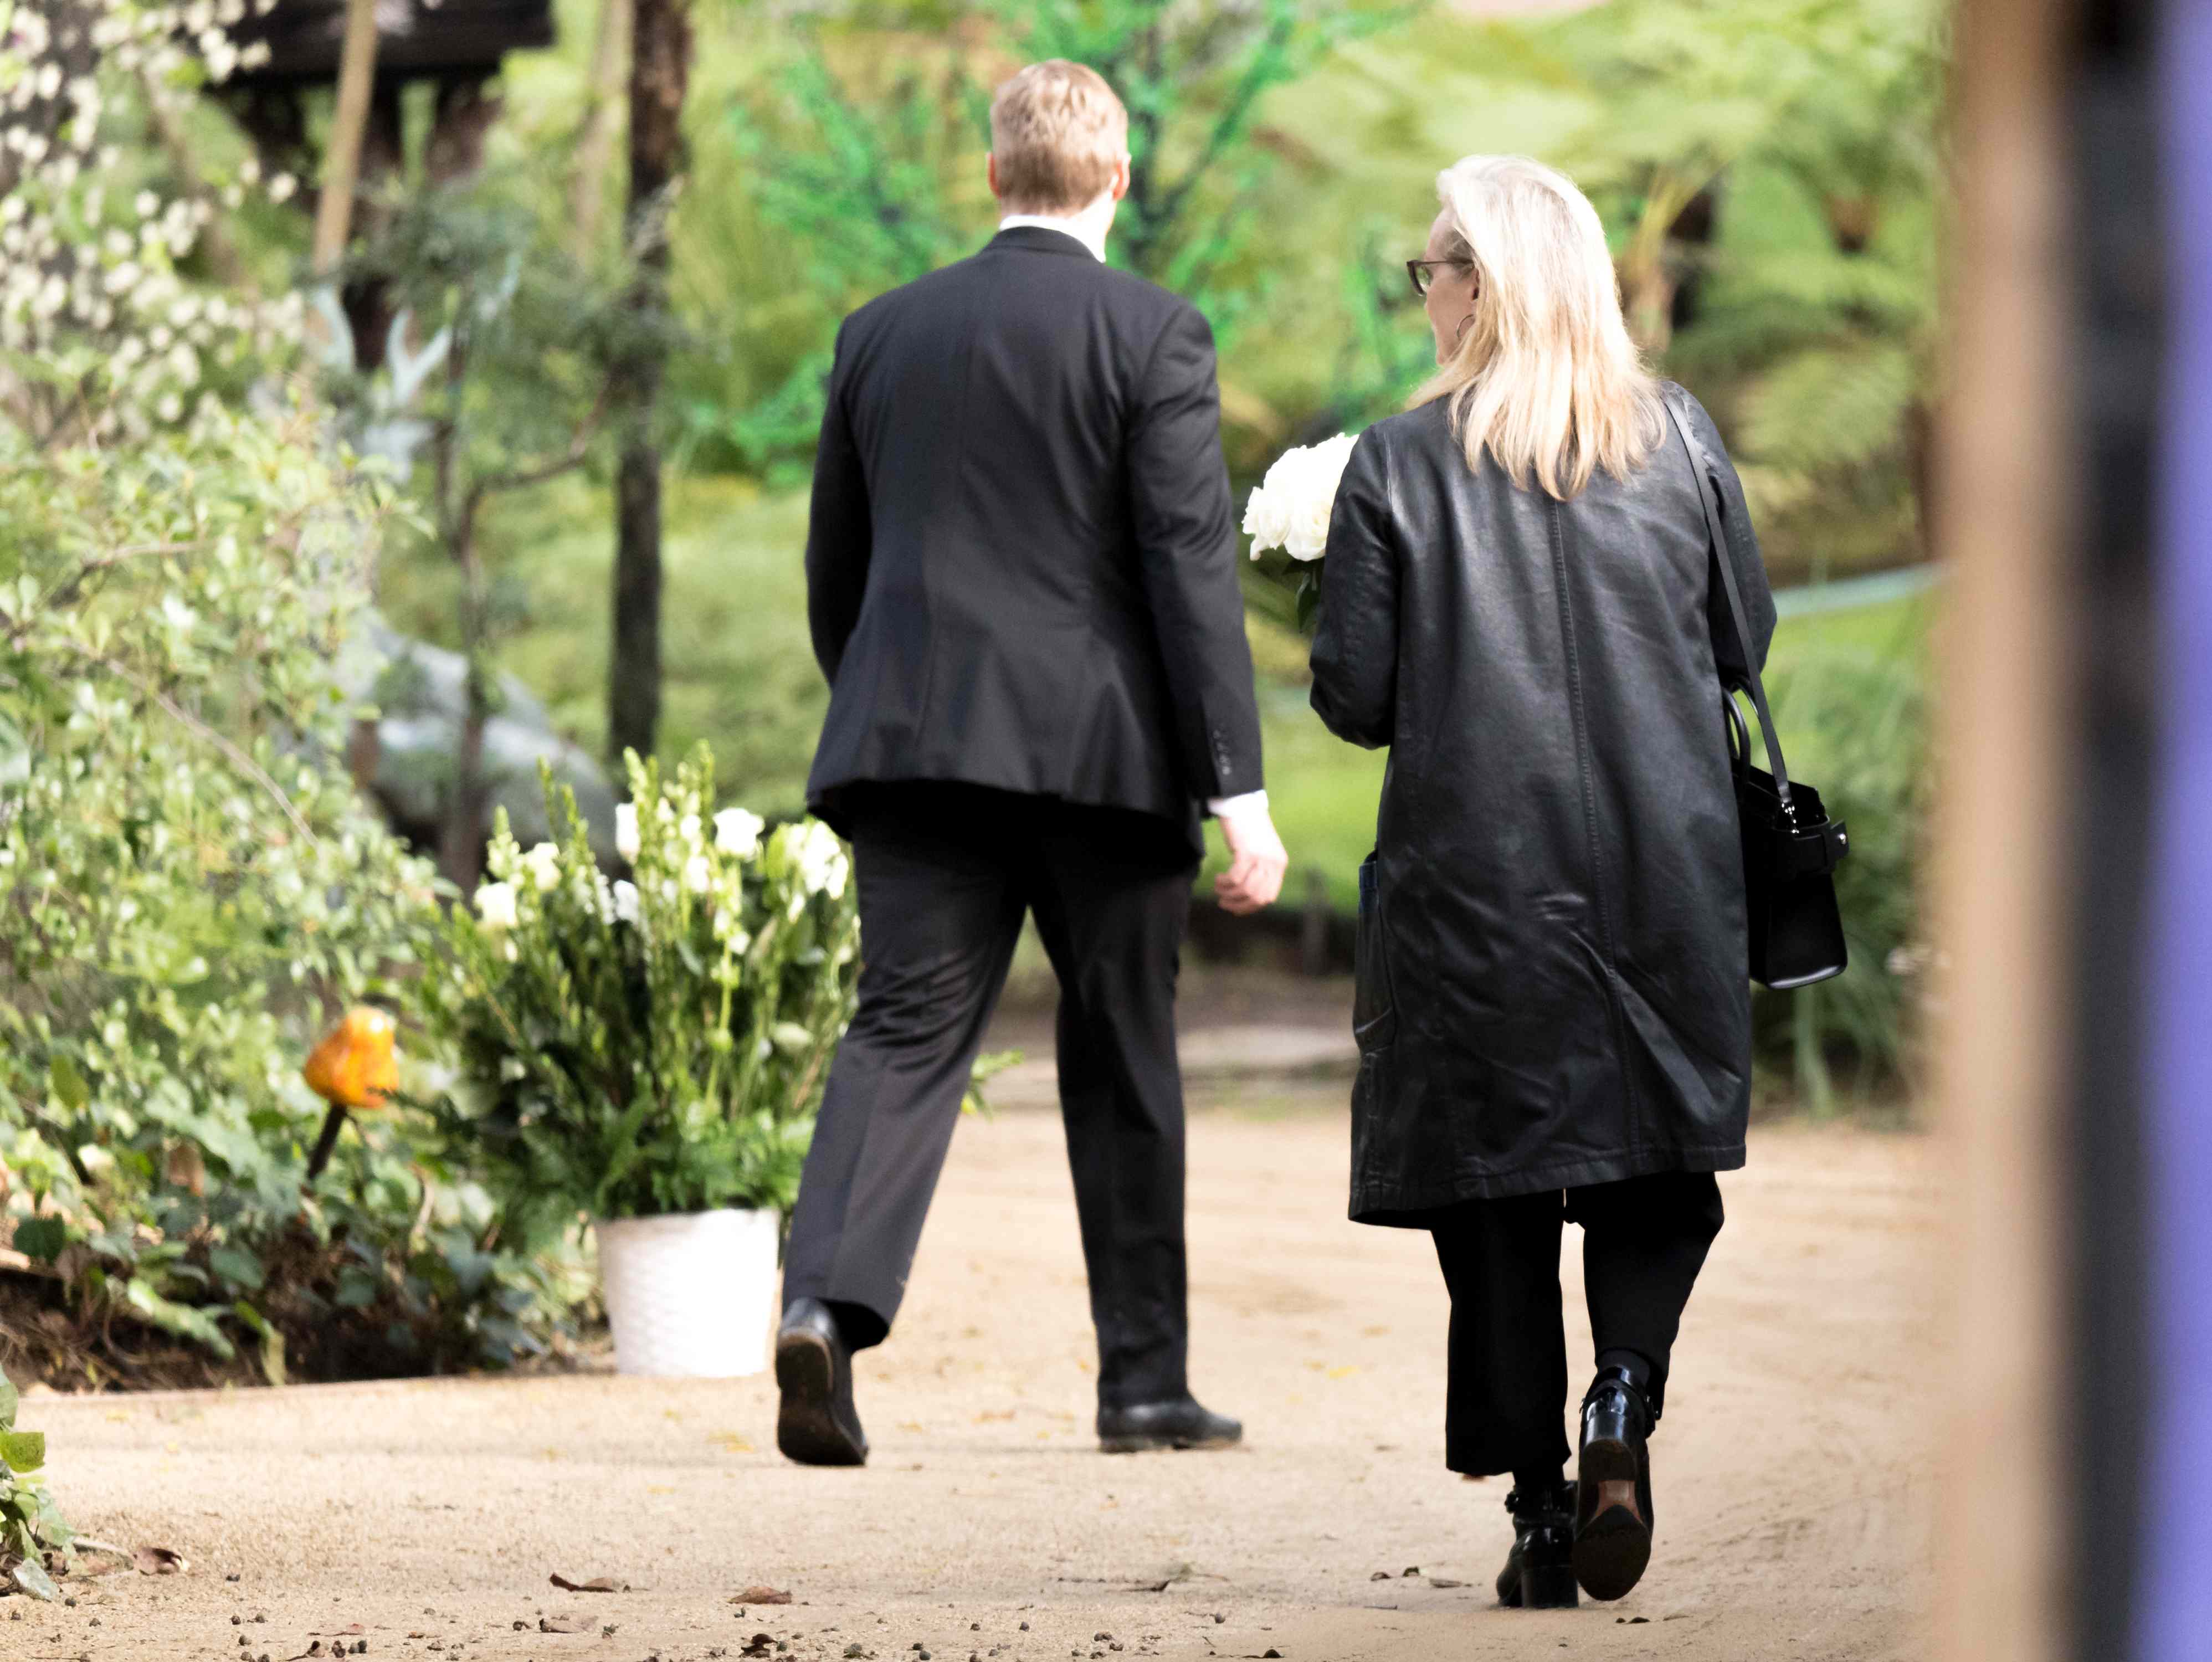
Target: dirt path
<point>1790,1473</point>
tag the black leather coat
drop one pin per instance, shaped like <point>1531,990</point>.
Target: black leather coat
<point>1552,987</point>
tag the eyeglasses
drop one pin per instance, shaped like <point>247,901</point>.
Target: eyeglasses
<point>1420,272</point>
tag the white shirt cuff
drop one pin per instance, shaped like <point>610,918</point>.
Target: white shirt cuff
<point>1237,808</point>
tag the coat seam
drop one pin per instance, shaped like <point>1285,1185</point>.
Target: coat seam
<point>1615,1014</point>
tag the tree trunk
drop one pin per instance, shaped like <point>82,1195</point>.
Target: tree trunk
<point>660,63</point>
<point>466,108</point>
<point>367,302</point>
<point>348,122</point>
<point>595,143</point>
<point>461,838</point>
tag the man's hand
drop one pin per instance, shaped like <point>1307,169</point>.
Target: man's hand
<point>1257,860</point>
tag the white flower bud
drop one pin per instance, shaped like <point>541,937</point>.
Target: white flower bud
<point>543,864</point>
<point>738,831</point>
<point>626,902</point>
<point>495,906</point>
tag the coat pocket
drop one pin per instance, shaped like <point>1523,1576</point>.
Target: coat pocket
<point>1374,1006</point>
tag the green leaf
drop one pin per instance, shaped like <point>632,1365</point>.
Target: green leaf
<point>239,1267</point>
<point>42,1238</point>
<point>8,1402</point>
<point>272,1342</point>
<point>14,754</point>
<point>23,1450</point>
<point>68,1085</point>
<point>180,1319</point>
<point>32,1577</point>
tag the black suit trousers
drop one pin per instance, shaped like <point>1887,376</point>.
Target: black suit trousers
<point>947,872</point>
<point>1645,1239</point>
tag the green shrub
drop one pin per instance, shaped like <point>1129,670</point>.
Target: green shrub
<point>1854,720</point>
<point>189,889</point>
<point>655,1044</point>
<point>31,1525</point>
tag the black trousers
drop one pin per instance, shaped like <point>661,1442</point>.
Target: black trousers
<point>947,873</point>
<point>1643,1242</point>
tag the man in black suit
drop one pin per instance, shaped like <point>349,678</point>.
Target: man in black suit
<point>1021,577</point>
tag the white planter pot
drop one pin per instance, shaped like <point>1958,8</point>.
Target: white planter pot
<point>691,1295</point>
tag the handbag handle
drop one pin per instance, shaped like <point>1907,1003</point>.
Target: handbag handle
<point>1717,547</point>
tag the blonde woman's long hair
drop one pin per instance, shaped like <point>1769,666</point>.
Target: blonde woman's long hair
<point>1545,376</point>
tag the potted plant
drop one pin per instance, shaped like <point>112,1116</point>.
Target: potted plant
<point>647,1053</point>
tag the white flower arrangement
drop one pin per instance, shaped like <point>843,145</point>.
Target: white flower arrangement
<point>655,1043</point>
<point>1291,508</point>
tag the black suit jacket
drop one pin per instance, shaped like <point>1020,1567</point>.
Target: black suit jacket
<point>1021,563</point>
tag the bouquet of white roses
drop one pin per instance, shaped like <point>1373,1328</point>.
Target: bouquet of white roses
<point>1290,510</point>
<point>656,1044</point>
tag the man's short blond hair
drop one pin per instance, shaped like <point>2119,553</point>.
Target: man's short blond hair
<point>1056,131</point>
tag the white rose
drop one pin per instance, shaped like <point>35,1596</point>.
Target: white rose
<point>1307,537</point>
<point>626,842</point>
<point>1291,507</point>
<point>626,902</point>
<point>738,832</point>
<point>1264,520</point>
<point>495,906</point>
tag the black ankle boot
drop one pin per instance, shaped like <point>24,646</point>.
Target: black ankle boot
<point>1613,1504</point>
<point>1540,1571</point>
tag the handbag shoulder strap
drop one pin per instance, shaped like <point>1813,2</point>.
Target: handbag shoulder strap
<point>1717,547</point>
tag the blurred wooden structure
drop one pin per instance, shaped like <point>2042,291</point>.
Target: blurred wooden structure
<point>415,40</point>
<point>2003,527</point>
<point>456,46</point>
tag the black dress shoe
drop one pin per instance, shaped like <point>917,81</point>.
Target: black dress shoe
<point>1181,1423</point>
<point>1613,1508</point>
<point>1540,1571</point>
<point>817,1425</point>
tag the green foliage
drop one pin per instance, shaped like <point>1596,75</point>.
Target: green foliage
<point>516,336</point>
<point>522,346</point>
<point>657,1044</point>
<point>31,1525</point>
<point>868,147</point>
<point>1855,721</point>
<point>1808,318</point>
<point>189,887</point>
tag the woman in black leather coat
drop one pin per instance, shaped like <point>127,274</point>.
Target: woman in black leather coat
<point>1554,1013</point>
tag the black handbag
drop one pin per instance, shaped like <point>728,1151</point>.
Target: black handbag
<point>1790,846</point>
